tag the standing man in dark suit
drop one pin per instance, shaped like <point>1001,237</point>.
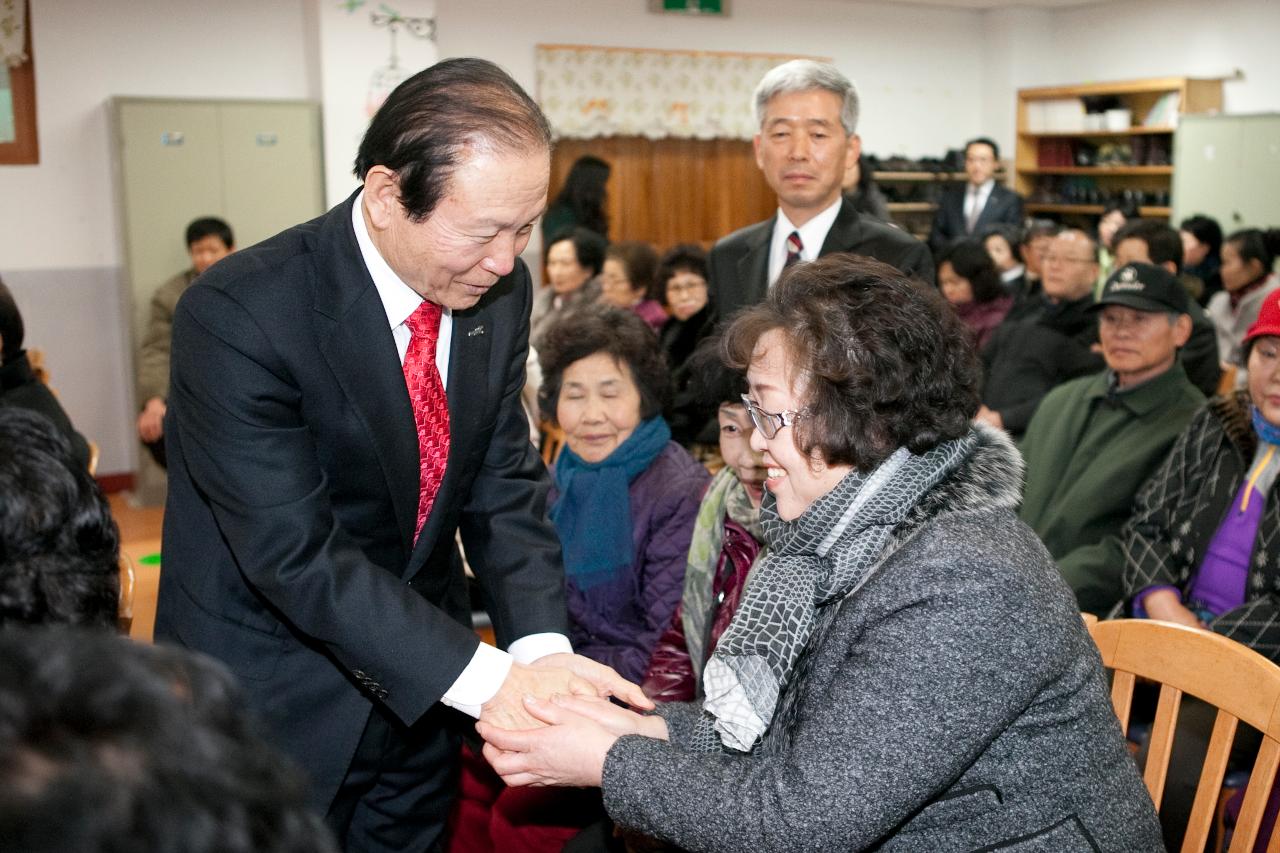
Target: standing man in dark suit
<point>980,203</point>
<point>808,115</point>
<point>345,396</point>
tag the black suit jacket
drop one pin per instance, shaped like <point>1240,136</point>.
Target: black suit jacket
<point>289,547</point>
<point>1003,207</point>
<point>739,263</point>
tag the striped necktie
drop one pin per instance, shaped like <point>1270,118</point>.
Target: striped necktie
<point>794,248</point>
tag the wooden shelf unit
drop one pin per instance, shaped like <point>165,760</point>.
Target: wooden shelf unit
<point>1138,96</point>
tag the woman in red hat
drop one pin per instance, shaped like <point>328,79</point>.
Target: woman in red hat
<point>1203,545</point>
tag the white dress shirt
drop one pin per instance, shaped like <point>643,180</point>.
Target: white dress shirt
<point>489,666</point>
<point>812,235</point>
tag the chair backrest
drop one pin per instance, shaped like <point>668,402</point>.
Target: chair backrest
<point>552,442</point>
<point>1241,683</point>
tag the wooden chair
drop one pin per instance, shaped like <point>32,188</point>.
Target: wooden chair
<point>1241,683</point>
<point>552,442</point>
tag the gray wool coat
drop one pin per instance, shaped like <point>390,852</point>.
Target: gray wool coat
<point>954,702</point>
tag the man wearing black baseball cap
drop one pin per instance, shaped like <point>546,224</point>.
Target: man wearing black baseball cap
<point>1094,441</point>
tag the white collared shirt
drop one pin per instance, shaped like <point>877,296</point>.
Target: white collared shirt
<point>976,201</point>
<point>489,666</point>
<point>812,235</point>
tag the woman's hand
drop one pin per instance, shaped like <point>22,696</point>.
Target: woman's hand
<point>1167,606</point>
<point>570,751</point>
<point>612,718</point>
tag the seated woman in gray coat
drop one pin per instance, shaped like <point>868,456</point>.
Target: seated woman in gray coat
<point>907,670</point>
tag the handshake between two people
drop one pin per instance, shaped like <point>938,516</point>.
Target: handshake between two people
<point>553,722</point>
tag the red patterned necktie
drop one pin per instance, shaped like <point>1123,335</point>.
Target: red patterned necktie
<point>430,406</point>
<point>794,248</point>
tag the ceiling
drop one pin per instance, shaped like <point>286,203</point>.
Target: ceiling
<point>999,4</point>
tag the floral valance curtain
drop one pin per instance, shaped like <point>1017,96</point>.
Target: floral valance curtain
<point>598,91</point>
<point>13,32</point>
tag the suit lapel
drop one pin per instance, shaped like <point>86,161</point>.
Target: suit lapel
<point>753,267</point>
<point>468,377</point>
<point>356,342</point>
<point>844,233</point>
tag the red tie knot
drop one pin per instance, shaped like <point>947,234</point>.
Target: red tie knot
<point>424,322</point>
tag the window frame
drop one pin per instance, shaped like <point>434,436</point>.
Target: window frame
<point>25,148</point>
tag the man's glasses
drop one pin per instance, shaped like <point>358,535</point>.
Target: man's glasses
<point>768,422</point>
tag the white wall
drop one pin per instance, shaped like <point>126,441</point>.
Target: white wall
<point>917,68</point>
<point>1159,38</point>
<point>351,51</point>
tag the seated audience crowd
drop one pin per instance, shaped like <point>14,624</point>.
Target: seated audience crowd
<point>796,482</point>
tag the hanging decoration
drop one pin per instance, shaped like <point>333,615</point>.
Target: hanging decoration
<point>588,92</point>
<point>13,32</point>
<point>389,76</point>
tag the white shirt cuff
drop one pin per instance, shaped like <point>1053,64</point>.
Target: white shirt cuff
<point>483,677</point>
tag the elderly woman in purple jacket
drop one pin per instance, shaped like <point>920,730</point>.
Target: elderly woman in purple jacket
<point>625,502</point>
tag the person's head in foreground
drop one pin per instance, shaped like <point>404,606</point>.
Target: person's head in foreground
<point>59,547</point>
<point>897,582</point>
<point>111,745</point>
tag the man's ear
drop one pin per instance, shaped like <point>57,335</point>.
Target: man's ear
<point>755,146</point>
<point>381,196</point>
<point>1182,330</point>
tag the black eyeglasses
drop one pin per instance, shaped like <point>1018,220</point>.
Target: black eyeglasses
<point>768,422</point>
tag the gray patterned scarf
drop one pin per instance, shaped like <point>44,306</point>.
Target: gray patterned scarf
<point>821,557</point>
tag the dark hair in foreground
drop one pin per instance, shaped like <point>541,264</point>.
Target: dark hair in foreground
<point>210,226</point>
<point>712,382</point>
<point>427,122</point>
<point>619,334</point>
<point>588,246</point>
<point>1163,243</point>
<point>970,261</point>
<point>11,328</point>
<point>882,361</point>
<point>111,745</point>
<point>59,546</point>
<point>584,193</point>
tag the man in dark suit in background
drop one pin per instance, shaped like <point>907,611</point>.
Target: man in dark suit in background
<point>345,396</point>
<point>808,115</point>
<point>981,202</point>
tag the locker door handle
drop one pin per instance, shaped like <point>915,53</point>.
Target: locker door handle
<point>266,140</point>
<point>172,137</point>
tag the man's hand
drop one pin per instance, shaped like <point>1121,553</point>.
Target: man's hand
<point>603,678</point>
<point>989,416</point>
<point>151,421</point>
<point>507,709</point>
<point>1165,605</point>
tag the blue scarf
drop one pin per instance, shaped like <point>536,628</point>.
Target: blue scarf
<point>1267,431</point>
<point>593,513</point>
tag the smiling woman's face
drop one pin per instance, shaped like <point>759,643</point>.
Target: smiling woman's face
<point>796,479</point>
<point>598,407</point>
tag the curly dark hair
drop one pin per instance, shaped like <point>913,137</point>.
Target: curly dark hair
<point>108,744</point>
<point>59,546</point>
<point>683,257</point>
<point>11,328</point>
<point>886,362</point>
<point>600,328</point>
<point>971,262</point>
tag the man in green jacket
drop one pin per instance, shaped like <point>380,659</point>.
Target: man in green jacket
<point>1095,440</point>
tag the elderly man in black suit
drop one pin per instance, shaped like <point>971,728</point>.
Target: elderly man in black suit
<point>980,203</point>
<point>808,115</point>
<point>345,396</point>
